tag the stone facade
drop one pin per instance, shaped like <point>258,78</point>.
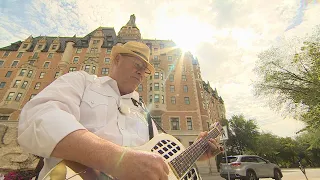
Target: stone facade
<point>178,98</point>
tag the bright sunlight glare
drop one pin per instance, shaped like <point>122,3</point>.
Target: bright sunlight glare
<point>186,31</point>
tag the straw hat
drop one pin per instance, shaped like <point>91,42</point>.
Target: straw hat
<point>134,48</point>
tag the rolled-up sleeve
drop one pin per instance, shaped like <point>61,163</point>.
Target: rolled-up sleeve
<point>51,115</point>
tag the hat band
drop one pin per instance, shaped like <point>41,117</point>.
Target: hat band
<point>141,55</point>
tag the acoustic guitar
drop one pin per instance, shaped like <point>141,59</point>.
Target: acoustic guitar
<point>181,161</point>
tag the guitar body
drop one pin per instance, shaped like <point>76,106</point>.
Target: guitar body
<point>163,144</point>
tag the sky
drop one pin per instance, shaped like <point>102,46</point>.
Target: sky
<point>225,35</point>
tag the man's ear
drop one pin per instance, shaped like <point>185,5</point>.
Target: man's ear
<point>116,59</point>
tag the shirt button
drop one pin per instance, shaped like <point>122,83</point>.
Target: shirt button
<point>92,102</point>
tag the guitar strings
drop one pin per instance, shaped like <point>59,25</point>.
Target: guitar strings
<point>185,160</point>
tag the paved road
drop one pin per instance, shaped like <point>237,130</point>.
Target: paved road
<point>288,174</point>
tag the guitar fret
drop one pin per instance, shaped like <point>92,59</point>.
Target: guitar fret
<point>186,159</point>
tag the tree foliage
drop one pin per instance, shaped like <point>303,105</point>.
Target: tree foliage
<point>292,75</point>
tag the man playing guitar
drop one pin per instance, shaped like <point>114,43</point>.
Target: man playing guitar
<point>91,120</point>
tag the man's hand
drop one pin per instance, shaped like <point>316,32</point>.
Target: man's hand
<point>213,150</point>
<point>137,165</point>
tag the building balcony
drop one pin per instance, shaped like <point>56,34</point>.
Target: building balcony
<point>8,107</point>
<point>158,108</point>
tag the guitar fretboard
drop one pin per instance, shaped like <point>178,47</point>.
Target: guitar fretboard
<point>187,158</point>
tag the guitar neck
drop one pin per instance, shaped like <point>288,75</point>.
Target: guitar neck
<point>187,158</point>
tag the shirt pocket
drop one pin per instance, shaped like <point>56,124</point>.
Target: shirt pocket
<point>94,110</point>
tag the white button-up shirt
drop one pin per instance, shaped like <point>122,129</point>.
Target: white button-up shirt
<point>76,101</point>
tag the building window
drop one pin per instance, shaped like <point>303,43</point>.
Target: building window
<point>35,55</point>
<point>169,58</point>
<point>184,78</point>
<point>200,85</point>
<point>150,87</point>
<point>171,67</point>
<point>46,64</point>
<point>107,60</point>
<point>4,117</point>
<point>105,71</point>
<point>42,75</point>
<point>6,54</point>
<point>31,62</point>
<point>156,86</point>
<point>93,69</point>
<point>161,46</point>
<point>158,121</point>
<point>171,88</point>
<point>2,85</point>
<point>140,88</point>
<point>54,47</point>
<point>75,59</point>
<point>96,41</point>
<point>189,123</point>
<point>155,49</point>
<point>162,87</point>
<point>175,124</point>
<point>1,63</point>
<point>93,50</point>
<point>25,46</point>
<point>87,68</point>
<point>50,55</point>
<point>37,86</point>
<point>16,84</point>
<point>40,46</point>
<point>150,98</point>
<point>18,97</point>
<point>156,75</point>
<point>185,88</point>
<point>161,76</point>
<point>155,58</point>
<point>24,85</point>
<point>201,94</point>
<point>171,77</point>
<point>156,65</point>
<point>10,96</point>
<point>56,75</point>
<point>14,63</point>
<point>29,73</point>
<point>156,98</point>
<point>186,100</point>
<point>8,74</point>
<point>22,72</point>
<point>162,99</point>
<point>19,54</point>
<point>108,51</point>
<point>78,50</point>
<point>173,100</point>
<point>72,69</point>
<point>32,95</point>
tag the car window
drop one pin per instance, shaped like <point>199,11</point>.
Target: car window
<point>230,159</point>
<point>248,159</point>
<point>259,160</point>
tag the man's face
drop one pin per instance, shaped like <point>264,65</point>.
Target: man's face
<point>129,71</point>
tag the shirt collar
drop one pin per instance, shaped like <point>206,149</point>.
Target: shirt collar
<point>114,86</point>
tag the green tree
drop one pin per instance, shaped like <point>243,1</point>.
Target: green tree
<point>293,77</point>
<point>242,134</point>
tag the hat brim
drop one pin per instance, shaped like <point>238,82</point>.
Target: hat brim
<point>120,50</point>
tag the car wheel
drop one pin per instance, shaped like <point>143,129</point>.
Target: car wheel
<point>277,174</point>
<point>251,175</point>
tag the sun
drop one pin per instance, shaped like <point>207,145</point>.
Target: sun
<point>186,31</point>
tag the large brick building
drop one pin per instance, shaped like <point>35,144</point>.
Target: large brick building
<point>176,94</point>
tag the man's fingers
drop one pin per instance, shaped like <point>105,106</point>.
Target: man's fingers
<point>166,168</point>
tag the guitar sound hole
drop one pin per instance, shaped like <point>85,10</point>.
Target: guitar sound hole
<point>166,156</point>
<point>174,150</point>
<point>166,149</point>
<point>170,153</point>
<point>169,146</point>
<point>160,151</point>
<point>178,148</point>
<point>159,144</point>
<point>164,142</point>
<point>173,144</point>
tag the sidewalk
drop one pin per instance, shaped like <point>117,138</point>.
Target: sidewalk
<point>204,171</point>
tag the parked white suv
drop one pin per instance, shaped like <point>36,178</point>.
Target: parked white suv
<point>249,167</point>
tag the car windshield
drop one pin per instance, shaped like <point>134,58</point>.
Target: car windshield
<point>230,159</point>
